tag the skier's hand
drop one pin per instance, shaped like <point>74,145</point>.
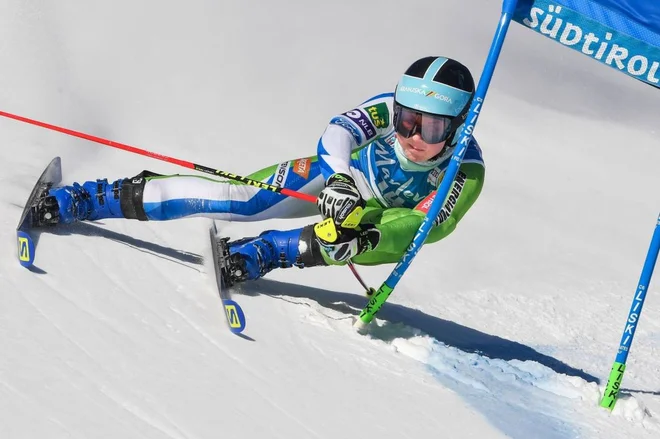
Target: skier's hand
<point>341,201</point>
<point>350,243</point>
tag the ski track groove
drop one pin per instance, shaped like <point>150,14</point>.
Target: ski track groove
<point>100,387</point>
<point>117,281</point>
<point>83,350</point>
<point>98,317</point>
<point>112,382</point>
<point>38,407</point>
<point>165,322</point>
<point>139,414</point>
<point>83,372</point>
<point>225,351</point>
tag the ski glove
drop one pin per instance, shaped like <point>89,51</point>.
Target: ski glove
<point>341,201</point>
<point>350,243</point>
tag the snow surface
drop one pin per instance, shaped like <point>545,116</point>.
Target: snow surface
<point>508,328</point>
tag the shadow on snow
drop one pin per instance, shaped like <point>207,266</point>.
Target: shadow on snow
<point>450,333</point>
<point>87,229</point>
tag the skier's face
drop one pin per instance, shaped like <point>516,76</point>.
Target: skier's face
<point>418,150</point>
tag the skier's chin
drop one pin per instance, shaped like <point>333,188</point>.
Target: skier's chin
<point>415,154</point>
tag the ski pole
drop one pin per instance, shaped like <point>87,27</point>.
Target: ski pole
<point>383,293</point>
<point>369,291</point>
<point>619,366</point>
<point>184,163</point>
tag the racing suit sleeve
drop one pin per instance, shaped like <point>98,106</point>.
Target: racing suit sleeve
<point>399,225</point>
<point>348,132</point>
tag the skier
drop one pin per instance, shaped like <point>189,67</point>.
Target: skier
<point>376,170</point>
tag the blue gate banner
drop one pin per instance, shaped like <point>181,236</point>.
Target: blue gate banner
<point>623,34</point>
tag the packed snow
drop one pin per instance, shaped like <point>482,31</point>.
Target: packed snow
<point>507,328</point>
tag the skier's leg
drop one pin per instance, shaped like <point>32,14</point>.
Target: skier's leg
<point>185,196</point>
<point>149,196</point>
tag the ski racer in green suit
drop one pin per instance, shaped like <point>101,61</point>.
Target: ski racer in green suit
<point>376,170</point>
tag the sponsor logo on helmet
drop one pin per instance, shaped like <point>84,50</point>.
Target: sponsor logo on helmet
<point>427,93</point>
<point>379,115</point>
<point>363,122</point>
<point>301,167</point>
<point>443,98</point>
<point>415,90</point>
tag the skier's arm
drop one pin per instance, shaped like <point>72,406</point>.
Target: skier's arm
<point>399,225</point>
<point>352,130</point>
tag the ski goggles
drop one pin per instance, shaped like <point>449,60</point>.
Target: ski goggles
<point>432,128</point>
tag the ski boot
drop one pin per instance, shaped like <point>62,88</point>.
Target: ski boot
<point>90,201</point>
<point>93,200</point>
<point>252,258</point>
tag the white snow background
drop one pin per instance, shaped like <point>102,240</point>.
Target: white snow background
<point>507,328</point>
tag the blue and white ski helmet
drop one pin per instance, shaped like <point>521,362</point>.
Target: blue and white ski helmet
<point>437,85</point>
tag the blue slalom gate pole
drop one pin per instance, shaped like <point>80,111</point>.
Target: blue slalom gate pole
<point>380,297</point>
<point>619,366</point>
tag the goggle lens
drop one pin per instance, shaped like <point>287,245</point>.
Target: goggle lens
<point>432,128</point>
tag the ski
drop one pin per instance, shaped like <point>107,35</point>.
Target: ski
<point>51,176</point>
<point>233,312</point>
